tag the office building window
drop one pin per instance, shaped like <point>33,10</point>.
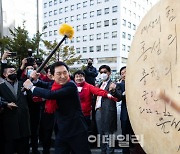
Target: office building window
<point>78,28</point>
<point>72,40</point>
<point>72,7</point>
<point>55,32</point>
<point>45,34</point>
<point>98,48</point>
<point>128,48</point>
<point>135,15</point>
<point>123,34</point>
<point>45,14</point>
<point>129,36</point>
<point>85,27</point>
<point>106,11</point>
<point>98,36</point>
<point>72,18</point>
<point>91,2</point>
<point>50,23</point>
<point>106,0</point>
<point>134,4</point>
<point>106,35</point>
<point>106,23</point>
<point>99,12</point>
<point>129,24</point>
<point>78,39</point>
<point>91,49</point>
<point>84,15</point>
<point>55,22</point>
<point>55,12</point>
<point>60,1</point>
<point>66,20</point>
<point>84,49</point>
<point>78,17</point>
<point>50,33</point>
<point>91,37</point>
<point>50,3</point>
<point>91,25</point>
<point>98,24</point>
<point>78,5</point>
<point>77,50</point>
<point>84,38</point>
<point>45,5</point>
<point>114,47</point>
<point>91,14</point>
<point>66,9</point>
<point>106,48</point>
<point>114,21</point>
<point>129,12</point>
<point>124,22</point>
<point>124,10</point>
<point>60,21</point>
<point>114,9</point>
<point>55,2</point>
<point>123,47</point>
<point>50,13</point>
<point>134,27</point>
<point>60,10</point>
<point>84,3</point>
<point>114,34</point>
<point>99,1</point>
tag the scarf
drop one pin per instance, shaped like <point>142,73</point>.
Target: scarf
<point>51,105</point>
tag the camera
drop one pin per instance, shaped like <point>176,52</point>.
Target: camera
<point>13,54</point>
<point>30,59</point>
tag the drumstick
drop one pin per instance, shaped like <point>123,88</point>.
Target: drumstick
<point>168,100</point>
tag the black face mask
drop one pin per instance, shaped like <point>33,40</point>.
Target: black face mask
<point>89,64</point>
<point>12,77</point>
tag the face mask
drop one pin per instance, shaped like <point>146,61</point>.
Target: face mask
<point>12,77</point>
<point>104,76</point>
<point>29,71</point>
<point>89,64</point>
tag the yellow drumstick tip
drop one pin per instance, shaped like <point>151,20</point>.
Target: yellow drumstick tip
<point>67,30</point>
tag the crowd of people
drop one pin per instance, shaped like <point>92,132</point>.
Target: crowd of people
<point>70,105</point>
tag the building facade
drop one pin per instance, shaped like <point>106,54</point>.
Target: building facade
<point>104,29</point>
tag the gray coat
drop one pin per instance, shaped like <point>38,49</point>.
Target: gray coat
<point>16,121</point>
<point>109,111</point>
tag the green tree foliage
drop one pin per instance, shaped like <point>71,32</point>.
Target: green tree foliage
<point>66,54</point>
<point>20,42</point>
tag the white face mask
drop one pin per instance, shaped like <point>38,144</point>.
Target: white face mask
<point>104,76</point>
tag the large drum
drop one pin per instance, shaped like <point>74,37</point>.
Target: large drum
<point>154,63</point>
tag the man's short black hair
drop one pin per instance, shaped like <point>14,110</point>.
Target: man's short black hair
<point>79,72</point>
<point>56,64</point>
<point>106,67</point>
<point>122,68</point>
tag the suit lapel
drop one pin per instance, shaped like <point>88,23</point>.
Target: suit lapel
<point>10,94</point>
<point>107,86</point>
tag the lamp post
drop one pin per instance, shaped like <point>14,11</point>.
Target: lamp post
<point>37,24</point>
<point>1,20</point>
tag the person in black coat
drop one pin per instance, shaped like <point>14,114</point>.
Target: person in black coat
<point>90,72</point>
<point>72,129</point>
<point>15,120</point>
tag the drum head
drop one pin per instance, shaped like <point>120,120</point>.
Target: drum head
<point>154,63</point>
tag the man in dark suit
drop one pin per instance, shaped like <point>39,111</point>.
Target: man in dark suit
<point>72,129</point>
<point>15,120</point>
<point>106,111</point>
